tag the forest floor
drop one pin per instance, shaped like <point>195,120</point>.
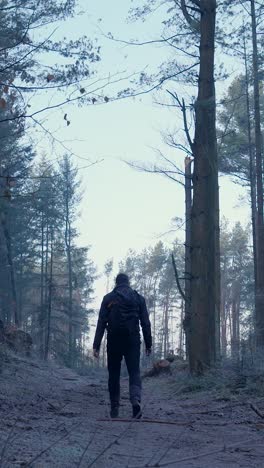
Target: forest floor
<point>51,417</point>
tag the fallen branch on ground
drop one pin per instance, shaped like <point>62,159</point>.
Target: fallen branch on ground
<point>152,421</point>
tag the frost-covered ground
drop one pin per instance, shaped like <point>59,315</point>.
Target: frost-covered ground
<point>50,417</point>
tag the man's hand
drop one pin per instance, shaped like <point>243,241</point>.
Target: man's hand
<point>96,353</point>
<point>148,351</point>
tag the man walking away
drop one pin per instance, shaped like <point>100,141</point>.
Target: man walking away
<point>121,312</point>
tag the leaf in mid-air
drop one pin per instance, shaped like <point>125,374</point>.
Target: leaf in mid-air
<point>50,77</point>
<point>2,103</point>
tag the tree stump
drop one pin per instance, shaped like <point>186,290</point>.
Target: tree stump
<point>162,366</point>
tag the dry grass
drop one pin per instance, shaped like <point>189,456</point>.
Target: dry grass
<point>229,378</point>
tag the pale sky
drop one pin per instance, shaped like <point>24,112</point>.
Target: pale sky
<point>122,208</point>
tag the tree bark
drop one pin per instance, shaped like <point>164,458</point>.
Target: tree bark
<point>187,273</point>
<point>166,324</point>
<point>41,314</point>
<point>235,309</point>
<point>252,177</point>
<point>259,312</point>
<point>223,312</point>
<point>181,341</point>
<point>217,275</point>
<point>46,274</point>
<point>154,328</point>
<point>68,238</point>
<point>47,344</point>
<point>204,219</point>
<point>11,267</point>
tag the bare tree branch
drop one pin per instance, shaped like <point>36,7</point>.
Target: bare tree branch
<point>183,109</point>
<point>194,24</point>
<point>155,170</point>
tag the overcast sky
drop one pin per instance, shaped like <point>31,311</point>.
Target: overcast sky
<point>121,207</point>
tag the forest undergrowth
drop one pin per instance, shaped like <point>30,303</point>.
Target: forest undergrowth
<point>229,378</point>
<point>52,417</point>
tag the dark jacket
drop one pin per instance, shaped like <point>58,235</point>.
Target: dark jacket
<point>103,318</point>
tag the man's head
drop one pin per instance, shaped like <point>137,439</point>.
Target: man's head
<point>122,278</point>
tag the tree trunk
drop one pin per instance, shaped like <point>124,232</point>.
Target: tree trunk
<point>259,313</point>
<point>41,314</point>
<point>223,312</point>
<point>154,328</point>
<point>47,344</point>
<point>44,315</point>
<point>71,340</point>
<point>204,219</point>
<point>252,176</point>
<point>235,308</point>
<point>20,292</point>
<point>187,273</point>
<point>166,325</point>
<point>11,267</point>
<point>217,275</point>
<point>181,345</point>
<point>68,239</point>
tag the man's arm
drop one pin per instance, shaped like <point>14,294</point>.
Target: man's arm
<point>101,325</point>
<point>145,323</point>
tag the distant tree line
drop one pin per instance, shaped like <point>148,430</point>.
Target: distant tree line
<point>151,273</point>
<point>46,279</point>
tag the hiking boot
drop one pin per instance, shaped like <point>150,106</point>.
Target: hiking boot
<point>137,412</point>
<point>114,412</point>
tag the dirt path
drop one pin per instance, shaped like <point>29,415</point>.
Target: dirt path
<point>49,417</point>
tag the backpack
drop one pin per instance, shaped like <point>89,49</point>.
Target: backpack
<point>123,318</point>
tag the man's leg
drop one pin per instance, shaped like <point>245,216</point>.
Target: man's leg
<point>114,358</point>
<point>132,358</point>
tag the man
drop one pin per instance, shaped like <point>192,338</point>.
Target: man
<point>121,311</point>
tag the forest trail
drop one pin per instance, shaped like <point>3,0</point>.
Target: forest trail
<point>51,417</point>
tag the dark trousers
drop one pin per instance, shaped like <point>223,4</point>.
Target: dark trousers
<point>129,348</point>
